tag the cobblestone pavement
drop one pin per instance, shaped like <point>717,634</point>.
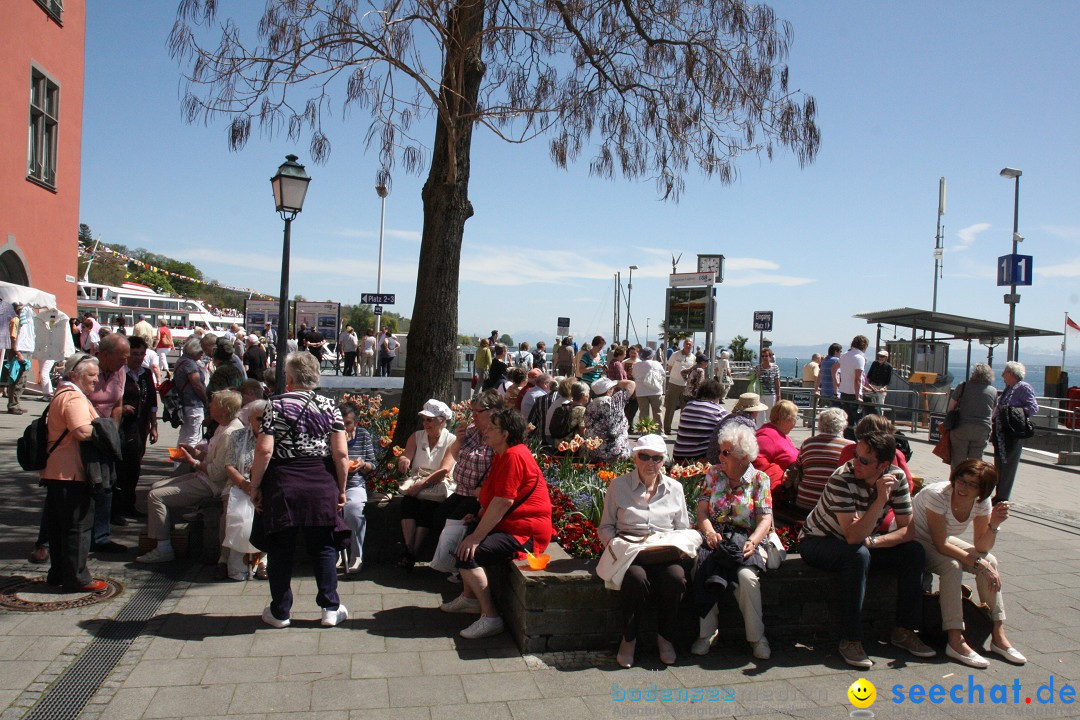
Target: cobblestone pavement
<point>206,654</point>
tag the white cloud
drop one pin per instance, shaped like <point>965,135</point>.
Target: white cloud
<point>1066,232</point>
<point>410,235</point>
<point>339,266</point>
<point>1066,270</point>
<point>967,236</point>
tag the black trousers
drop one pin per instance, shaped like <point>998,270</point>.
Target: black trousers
<point>350,363</point>
<point>69,517</point>
<point>127,478</point>
<point>663,583</point>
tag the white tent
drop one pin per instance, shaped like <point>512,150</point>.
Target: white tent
<point>26,295</point>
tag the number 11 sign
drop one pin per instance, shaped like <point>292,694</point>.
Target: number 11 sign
<point>1014,270</point>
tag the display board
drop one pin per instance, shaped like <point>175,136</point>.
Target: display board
<point>324,317</point>
<point>257,312</point>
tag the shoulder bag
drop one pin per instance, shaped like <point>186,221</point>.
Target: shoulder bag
<point>952,418</point>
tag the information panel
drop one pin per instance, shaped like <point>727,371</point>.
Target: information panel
<point>257,312</point>
<point>686,309</point>
<point>324,317</point>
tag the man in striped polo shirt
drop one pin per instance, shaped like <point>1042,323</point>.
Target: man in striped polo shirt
<point>839,537</point>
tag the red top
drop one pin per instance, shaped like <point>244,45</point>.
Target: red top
<point>848,454</point>
<point>775,453</point>
<point>513,473</point>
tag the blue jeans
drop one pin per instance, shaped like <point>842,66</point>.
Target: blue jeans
<point>102,516</point>
<point>853,563</point>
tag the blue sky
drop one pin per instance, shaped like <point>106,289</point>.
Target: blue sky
<point>906,93</point>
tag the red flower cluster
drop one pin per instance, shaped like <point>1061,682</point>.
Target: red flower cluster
<point>789,536</point>
<point>575,534</point>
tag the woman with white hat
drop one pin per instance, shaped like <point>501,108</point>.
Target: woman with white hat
<point>605,418</point>
<point>427,458</point>
<point>639,505</point>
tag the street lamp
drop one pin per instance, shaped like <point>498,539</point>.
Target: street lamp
<point>290,186</point>
<point>629,289</point>
<point>1011,351</point>
<point>382,191</point>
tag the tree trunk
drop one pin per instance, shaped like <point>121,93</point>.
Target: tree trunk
<point>432,351</point>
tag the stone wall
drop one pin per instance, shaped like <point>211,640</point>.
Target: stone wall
<point>566,607</point>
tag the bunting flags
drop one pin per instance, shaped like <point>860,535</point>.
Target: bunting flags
<point>153,268</point>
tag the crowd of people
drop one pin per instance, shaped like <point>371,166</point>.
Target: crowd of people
<point>294,465</point>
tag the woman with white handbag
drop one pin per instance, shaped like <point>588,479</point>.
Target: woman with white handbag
<point>429,483</point>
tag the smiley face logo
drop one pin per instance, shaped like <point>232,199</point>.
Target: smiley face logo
<point>862,693</point>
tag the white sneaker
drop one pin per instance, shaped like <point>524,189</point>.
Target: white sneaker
<point>461,604</point>
<point>702,645</point>
<point>484,627</point>
<point>330,618</point>
<point>157,555</point>
<point>761,648</point>
<point>269,619</point>
<point>355,564</point>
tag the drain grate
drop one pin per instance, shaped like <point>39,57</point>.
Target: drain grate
<point>68,696</point>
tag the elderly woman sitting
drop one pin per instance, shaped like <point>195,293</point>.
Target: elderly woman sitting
<point>941,513</point>
<point>515,516</point>
<point>776,452</point>
<point>638,505</point>
<point>208,479</point>
<point>605,418</point>
<point>428,462</point>
<point>735,517</point>
<point>818,459</point>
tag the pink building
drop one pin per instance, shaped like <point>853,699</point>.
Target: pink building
<point>41,80</point>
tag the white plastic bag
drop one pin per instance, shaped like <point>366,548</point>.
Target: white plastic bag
<point>238,517</point>
<point>445,558</point>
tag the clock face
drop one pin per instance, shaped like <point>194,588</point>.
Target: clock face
<point>709,263</point>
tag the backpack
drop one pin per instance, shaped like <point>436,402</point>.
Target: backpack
<point>172,411</point>
<point>538,414</point>
<point>523,359</point>
<point>32,449</point>
<point>560,421</point>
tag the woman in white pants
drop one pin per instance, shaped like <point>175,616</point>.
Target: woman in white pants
<point>942,512</point>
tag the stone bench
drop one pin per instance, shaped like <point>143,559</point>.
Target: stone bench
<point>566,607</point>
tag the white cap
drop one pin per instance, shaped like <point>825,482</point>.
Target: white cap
<point>653,443</point>
<point>601,386</point>
<point>436,408</point>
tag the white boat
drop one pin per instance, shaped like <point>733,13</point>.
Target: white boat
<point>130,300</point>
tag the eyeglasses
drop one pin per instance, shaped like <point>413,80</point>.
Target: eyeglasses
<point>970,484</point>
<point>651,458</point>
<point>866,461</point>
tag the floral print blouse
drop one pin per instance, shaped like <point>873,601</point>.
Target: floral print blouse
<point>741,505</point>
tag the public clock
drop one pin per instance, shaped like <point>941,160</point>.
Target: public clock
<point>711,263</point>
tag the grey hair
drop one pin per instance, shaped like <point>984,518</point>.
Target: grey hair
<point>111,342</point>
<point>983,373</point>
<point>303,370</point>
<point>257,408</point>
<point>82,365</point>
<point>742,441</point>
<point>579,390</point>
<point>192,346</point>
<point>832,421</point>
<point>1016,368</point>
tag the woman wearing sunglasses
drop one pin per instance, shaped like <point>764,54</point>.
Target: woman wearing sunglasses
<point>942,512</point>
<point>638,505</point>
<point>735,516</point>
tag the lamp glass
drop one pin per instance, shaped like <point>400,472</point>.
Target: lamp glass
<point>290,186</point>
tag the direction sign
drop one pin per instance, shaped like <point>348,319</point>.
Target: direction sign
<point>378,309</point>
<point>377,298</point>
<point>763,320</point>
<point>562,326</point>
<point>691,279</point>
<point>1014,270</point>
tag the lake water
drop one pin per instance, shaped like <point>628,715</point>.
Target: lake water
<point>1036,374</point>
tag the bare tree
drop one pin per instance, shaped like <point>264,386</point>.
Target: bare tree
<point>654,88</point>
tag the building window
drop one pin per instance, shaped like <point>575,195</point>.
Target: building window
<point>44,111</point>
<point>55,8</point>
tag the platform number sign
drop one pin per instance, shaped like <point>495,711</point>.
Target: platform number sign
<point>1014,270</point>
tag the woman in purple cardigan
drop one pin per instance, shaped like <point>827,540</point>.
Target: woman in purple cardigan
<point>1007,447</point>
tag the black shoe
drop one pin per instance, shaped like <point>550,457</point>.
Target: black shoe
<point>109,547</point>
<point>118,519</point>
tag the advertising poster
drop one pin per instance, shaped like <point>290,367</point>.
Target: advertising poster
<point>257,312</point>
<point>324,317</point>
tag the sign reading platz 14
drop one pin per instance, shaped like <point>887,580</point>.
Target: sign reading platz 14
<point>377,298</point>
<point>1014,270</point>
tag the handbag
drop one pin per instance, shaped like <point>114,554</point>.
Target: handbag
<point>445,558</point>
<point>435,493</point>
<point>754,385</point>
<point>943,449</point>
<point>625,549</point>
<point>952,418</point>
<point>775,554</point>
<point>238,520</point>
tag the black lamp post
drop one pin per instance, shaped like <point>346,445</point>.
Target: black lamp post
<point>1012,353</point>
<point>290,187</point>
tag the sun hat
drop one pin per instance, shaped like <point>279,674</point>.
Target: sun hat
<point>601,386</point>
<point>653,443</point>
<point>883,353</point>
<point>436,408</point>
<point>750,402</point>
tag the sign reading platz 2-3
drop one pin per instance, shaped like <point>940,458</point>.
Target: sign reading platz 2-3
<point>377,298</point>
<point>763,320</point>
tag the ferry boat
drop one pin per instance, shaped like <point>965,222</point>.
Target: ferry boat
<point>130,300</point>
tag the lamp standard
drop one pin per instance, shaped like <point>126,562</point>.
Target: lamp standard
<point>290,186</point>
<point>1013,298</point>
<point>629,289</point>
<point>382,191</point>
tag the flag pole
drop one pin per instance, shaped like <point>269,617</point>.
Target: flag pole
<point>1064,338</point>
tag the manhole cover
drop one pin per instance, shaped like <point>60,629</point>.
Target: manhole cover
<point>35,595</point>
